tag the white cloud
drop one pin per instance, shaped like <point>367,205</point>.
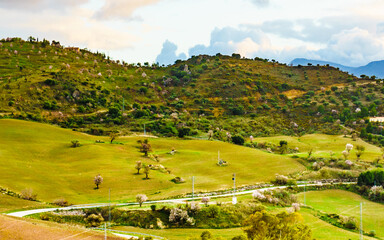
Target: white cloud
<point>121,9</point>
<point>168,54</point>
<point>353,47</point>
<point>76,29</point>
<point>40,4</point>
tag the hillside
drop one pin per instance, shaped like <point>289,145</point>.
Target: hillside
<point>35,154</point>
<point>87,91</point>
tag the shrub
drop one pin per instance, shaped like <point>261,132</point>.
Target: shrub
<point>94,220</point>
<point>205,200</point>
<point>206,235</point>
<point>180,217</point>
<point>28,194</point>
<point>349,222</point>
<point>237,139</point>
<point>75,143</point>
<point>61,202</point>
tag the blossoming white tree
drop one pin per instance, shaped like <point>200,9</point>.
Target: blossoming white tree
<point>141,198</point>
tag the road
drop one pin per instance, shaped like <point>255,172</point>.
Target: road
<point>176,200</point>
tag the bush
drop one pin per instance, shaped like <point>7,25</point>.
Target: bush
<point>28,194</point>
<point>350,223</point>
<point>237,139</point>
<point>75,143</point>
<point>94,220</point>
<point>61,202</point>
<point>372,233</point>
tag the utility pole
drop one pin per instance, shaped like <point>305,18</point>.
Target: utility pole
<point>234,199</point>
<point>305,202</point>
<point>109,215</point>
<point>144,129</point>
<point>361,221</point>
<point>105,231</point>
<point>193,188</point>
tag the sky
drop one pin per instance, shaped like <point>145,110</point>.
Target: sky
<point>348,32</point>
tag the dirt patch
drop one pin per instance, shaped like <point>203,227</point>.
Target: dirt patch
<point>293,93</point>
<point>26,229</point>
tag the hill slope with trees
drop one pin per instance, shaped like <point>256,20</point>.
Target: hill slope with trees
<point>78,89</point>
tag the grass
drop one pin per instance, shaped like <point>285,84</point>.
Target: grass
<point>324,230</point>
<point>323,144</point>
<point>347,204</point>
<point>11,204</point>
<point>184,233</point>
<point>39,156</point>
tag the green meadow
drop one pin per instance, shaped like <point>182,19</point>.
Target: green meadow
<point>348,204</point>
<point>39,156</point>
<point>323,144</point>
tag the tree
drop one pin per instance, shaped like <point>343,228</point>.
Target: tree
<point>264,225</point>
<point>98,180</point>
<point>359,151</point>
<point>141,198</point>
<point>147,169</point>
<point>185,131</point>
<point>283,147</point>
<point>138,166</point>
<point>205,200</point>
<point>145,147</point>
<point>210,134</point>
<point>75,143</point>
<point>348,147</point>
<point>238,139</point>
<point>113,136</point>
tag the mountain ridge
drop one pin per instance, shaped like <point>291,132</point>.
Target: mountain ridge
<point>374,68</point>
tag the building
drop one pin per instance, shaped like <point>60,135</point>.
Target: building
<point>376,119</point>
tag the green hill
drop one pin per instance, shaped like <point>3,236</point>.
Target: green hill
<point>76,88</point>
<point>40,156</point>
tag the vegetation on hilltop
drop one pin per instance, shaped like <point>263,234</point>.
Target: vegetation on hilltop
<point>78,89</point>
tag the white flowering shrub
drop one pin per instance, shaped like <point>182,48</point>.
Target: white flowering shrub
<point>296,207</point>
<point>180,216</point>
<point>348,147</point>
<point>258,195</point>
<point>205,200</point>
<point>348,163</point>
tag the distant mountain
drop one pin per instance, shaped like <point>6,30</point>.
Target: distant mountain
<point>373,68</point>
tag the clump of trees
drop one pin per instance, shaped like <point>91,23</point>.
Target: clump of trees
<point>264,225</point>
<point>371,178</point>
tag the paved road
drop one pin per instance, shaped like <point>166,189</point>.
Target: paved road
<point>178,200</point>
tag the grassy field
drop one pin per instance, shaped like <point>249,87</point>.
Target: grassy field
<point>14,228</point>
<point>182,233</point>
<point>11,204</point>
<point>324,230</point>
<point>323,144</point>
<point>347,204</point>
<point>39,156</point>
